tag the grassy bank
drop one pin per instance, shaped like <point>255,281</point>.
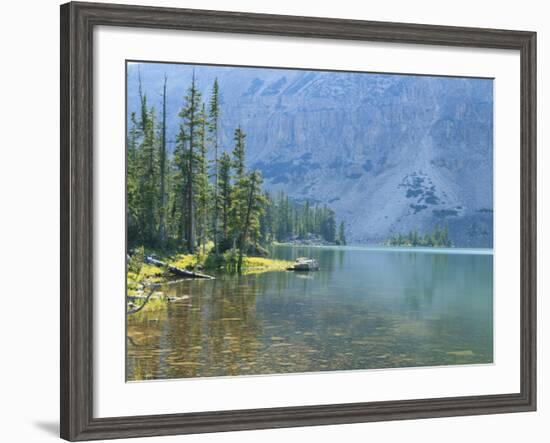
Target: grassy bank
<point>141,274</point>
<point>254,265</point>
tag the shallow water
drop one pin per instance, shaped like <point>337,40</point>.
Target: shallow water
<point>366,308</point>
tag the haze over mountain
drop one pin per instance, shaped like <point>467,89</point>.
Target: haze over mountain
<point>388,153</point>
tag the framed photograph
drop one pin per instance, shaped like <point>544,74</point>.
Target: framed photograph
<point>272,221</point>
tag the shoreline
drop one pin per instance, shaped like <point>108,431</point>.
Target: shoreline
<point>153,273</point>
<point>379,248</point>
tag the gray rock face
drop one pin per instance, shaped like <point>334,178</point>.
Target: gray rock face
<point>389,153</point>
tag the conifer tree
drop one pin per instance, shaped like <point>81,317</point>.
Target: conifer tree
<point>328,224</point>
<point>249,222</point>
<point>225,191</point>
<point>267,220</point>
<point>239,194</point>
<point>341,234</point>
<point>202,185</point>
<point>131,180</point>
<point>239,153</point>
<point>213,129</point>
<point>143,103</point>
<point>147,166</point>
<point>190,114</point>
<point>163,165</point>
<point>179,184</point>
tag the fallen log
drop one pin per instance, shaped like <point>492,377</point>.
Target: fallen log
<point>177,271</point>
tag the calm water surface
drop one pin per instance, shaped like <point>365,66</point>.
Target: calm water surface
<point>366,308</point>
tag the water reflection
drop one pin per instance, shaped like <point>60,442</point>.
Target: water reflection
<point>363,309</point>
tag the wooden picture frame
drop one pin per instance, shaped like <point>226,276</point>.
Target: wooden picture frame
<point>77,23</point>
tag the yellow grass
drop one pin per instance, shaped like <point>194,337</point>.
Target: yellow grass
<point>153,274</point>
<point>262,264</point>
<point>147,274</point>
<point>184,261</point>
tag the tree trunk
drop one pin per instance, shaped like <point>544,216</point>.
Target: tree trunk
<point>244,234</point>
<point>178,271</point>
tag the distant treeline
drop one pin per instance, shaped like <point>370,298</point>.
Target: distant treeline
<point>438,238</point>
<point>285,219</point>
<point>202,192</point>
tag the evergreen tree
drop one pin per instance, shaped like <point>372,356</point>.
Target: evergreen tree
<point>131,181</point>
<point>253,202</point>
<point>341,234</point>
<point>213,128</point>
<point>143,103</point>
<point>239,190</point>
<point>147,171</point>
<point>308,225</point>
<point>239,153</point>
<point>191,115</point>
<point>267,220</point>
<point>179,185</point>
<point>142,171</point>
<point>202,185</point>
<point>328,225</point>
<point>225,191</point>
<point>163,168</point>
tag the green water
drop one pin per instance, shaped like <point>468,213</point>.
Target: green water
<point>366,308</point>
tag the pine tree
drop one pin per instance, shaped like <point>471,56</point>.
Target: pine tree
<point>253,202</point>
<point>281,218</point>
<point>225,192</point>
<point>142,173</point>
<point>445,237</point>
<point>131,181</point>
<point>179,185</point>
<point>163,165</point>
<point>239,153</point>
<point>308,228</point>
<point>341,234</point>
<point>267,220</point>
<point>147,171</point>
<point>213,128</point>
<point>202,185</point>
<point>190,114</point>
<point>143,103</point>
<point>328,224</point>
<point>238,194</point>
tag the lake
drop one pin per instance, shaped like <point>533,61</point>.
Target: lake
<point>366,308</point>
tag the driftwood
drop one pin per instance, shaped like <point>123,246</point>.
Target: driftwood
<point>140,307</point>
<point>151,288</point>
<point>178,271</point>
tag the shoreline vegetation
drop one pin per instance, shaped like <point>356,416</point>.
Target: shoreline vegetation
<point>439,238</point>
<point>144,279</point>
<point>142,273</point>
